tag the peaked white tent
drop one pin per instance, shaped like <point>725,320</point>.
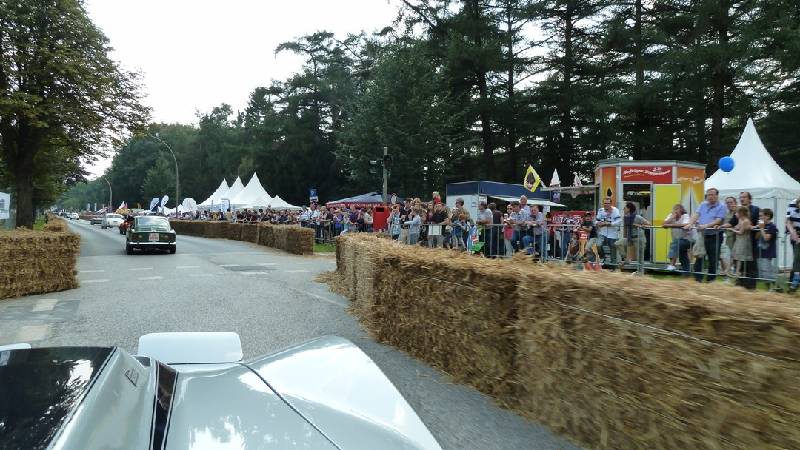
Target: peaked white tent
<point>234,190</point>
<point>214,199</point>
<point>280,204</point>
<point>253,195</point>
<point>756,172</point>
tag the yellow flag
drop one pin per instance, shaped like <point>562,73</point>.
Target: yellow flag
<point>532,180</point>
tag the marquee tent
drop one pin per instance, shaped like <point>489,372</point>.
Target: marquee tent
<point>756,172</point>
<point>252,196</point>
<point>215,198</point>
<point>280,204</point>
<point>235,189</point>
<point>368,199</point>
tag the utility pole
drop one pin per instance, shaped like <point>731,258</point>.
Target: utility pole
<point>177,179</point>
<point>386,160</point>
<point>110,195</point>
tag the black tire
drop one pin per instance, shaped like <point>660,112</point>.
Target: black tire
<point>128,249</point>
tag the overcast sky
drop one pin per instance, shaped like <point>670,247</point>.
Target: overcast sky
<point>197,54</point>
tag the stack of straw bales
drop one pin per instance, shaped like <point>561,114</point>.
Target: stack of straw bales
<point>35,262</point>
<point>293,239</point>
<point>609,360</point>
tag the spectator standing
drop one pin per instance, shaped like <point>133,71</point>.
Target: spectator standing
<point>518,219</point>
<point>523,205</point>
<point>633,237</point>
<point>767,236</point>
<point>587,237</point>
<point>707,219</point>
<point>608,222</point>
<point>747,279</point>
<point>438,219</point>
<point>368,220</point>
<point>458,218</point>
<point>742,248</point>
<point>729,236</point>
<point>793,227</point>
<point>413,225</point>
<point>395,222</point>
<point>537,235</point>
<point>484,222</point>
<point>681,243</point>
<point>495,230</point>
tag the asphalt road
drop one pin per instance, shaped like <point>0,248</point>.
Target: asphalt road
<point>269,298</point>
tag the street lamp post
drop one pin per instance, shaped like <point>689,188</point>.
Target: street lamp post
<point>110,194</point>
<point>177,176</point>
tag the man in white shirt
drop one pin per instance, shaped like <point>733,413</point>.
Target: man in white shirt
<point>680,245</point>
<point>608,222</point>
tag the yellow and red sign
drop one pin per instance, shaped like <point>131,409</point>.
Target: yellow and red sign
<point>650,174</point>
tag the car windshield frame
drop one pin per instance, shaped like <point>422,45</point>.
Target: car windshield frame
<point>113,216</point>
<point>152,221</point>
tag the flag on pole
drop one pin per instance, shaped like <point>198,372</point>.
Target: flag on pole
<point>532,179</point>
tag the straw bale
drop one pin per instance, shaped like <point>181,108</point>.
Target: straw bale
<point>266,235</point>
<point>33,262</point>
<point>232,231</point>
<point>249,233</point>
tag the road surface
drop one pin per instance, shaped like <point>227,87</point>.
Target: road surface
<point>269,298</point>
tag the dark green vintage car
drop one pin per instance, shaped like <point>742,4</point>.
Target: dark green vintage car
<point>150,232</point>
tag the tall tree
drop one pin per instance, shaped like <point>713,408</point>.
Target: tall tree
<point>61,95</point>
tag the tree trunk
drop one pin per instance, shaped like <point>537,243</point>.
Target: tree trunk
<point>511,125</point>
<point>566,154</point>
<point>483,91</point>
<point>638,121</point>
<point>719,80</point>
<point>23,175</point>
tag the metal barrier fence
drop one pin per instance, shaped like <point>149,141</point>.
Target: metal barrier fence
<point>326,231</point>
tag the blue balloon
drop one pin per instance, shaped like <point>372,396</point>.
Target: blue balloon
<point>726,164</point>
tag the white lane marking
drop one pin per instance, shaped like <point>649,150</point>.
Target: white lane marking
<point>91,271</point>
<point>32,333</point>
<point>319,297</point>
<point>151,278</point>
<point>230,265</point>
<point>201,275</point>
<point>94,281</point>
<point>296,271</point>
<point>138,269</point>
<point>187,267</point>
<point>267,264</point>
<point>45,304</point>
<point>254,273</point>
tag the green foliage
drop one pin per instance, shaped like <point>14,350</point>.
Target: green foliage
<point>468,89</point>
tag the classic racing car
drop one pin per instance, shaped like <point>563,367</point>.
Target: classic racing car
<point>192,391</point>
<point>150,232</point>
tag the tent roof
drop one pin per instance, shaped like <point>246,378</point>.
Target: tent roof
<point>370,198</point>
<point>252,193</point>
<point>235,189</point>
<point>494,188</point>
<point>279,203</point>
<point>218,194</point>
<point>754,171</point>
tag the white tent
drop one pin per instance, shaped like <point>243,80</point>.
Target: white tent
<point>252,196</point>
<point>235,189</point>
<point>756,172</point>
<point>280,204</point>
<point>214,199</point>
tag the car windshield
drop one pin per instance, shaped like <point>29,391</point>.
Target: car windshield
<point>152,222</point>
<point>113,216</point>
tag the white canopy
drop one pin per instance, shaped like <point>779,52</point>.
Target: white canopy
<point>235,189</point>
<point>756,172</point>
<point>253,195</point>
<point>221,191</point>
<point>280,204</point>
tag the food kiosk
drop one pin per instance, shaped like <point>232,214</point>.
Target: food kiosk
<point>654,187</point>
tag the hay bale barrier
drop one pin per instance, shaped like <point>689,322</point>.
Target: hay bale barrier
<point>290,238</point>
<point>612,362</point>
<point>37,262</point>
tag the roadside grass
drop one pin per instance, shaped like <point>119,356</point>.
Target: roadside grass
<point>324,247</point>
<point>39,224</point>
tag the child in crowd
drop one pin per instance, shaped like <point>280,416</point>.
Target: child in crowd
<point>742,248</point>
<point>767,248</point>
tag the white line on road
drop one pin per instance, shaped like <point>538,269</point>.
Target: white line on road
<point>267,264</point>
<point>138,269</point>
<point>151,278</point>
<point>230,265</point>
<point>91,271</point>
<point>187,267</point>
<point>32,333</point>
<point>319,297</point>
<point>45,304</point>
<point>94,281</point>
<point>254,273</point>
<point>201,275</point>
<point>296,271</point>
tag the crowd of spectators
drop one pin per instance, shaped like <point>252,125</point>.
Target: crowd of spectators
<point>282,217</point>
